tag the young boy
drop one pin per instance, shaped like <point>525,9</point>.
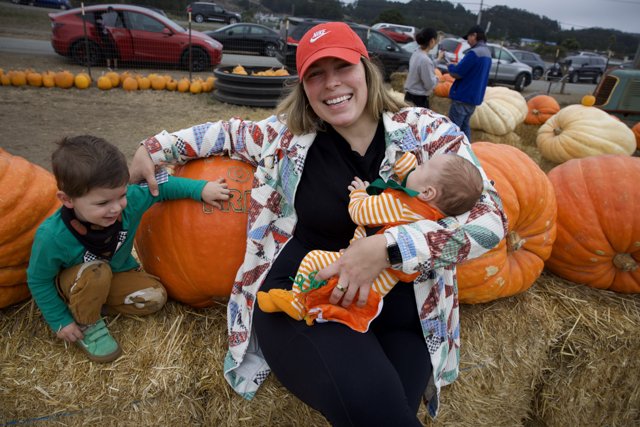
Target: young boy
<point>81,264</point>
<point>444,185</point>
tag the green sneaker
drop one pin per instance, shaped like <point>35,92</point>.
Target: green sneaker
<point>98,343</point>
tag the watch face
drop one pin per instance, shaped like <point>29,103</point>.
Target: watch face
<point>394,255</point>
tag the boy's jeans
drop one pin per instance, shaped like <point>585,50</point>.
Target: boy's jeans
<point>87,287</point>
<point>460,114</point>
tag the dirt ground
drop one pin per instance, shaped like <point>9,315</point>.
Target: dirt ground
<point>33,118</point>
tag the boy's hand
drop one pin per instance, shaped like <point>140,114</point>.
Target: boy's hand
<point>70,333</point>
<point>214,192</point>
<point>358,184</point>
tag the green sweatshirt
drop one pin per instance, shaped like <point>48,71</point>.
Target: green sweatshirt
<point>55,248</point>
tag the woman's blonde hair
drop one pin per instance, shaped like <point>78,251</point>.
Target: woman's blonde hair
<point>296,112</point>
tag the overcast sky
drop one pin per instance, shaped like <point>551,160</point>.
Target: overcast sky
<point>623,15</point>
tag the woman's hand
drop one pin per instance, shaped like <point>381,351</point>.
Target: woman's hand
<point>143,169</point>
<point>70,333</point>
<point>357,268</point>
<point>214,192</point>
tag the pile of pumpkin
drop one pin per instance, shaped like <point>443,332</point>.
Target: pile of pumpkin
<point>280,72</point>
<point>128,81</point>
<point>579,220</point>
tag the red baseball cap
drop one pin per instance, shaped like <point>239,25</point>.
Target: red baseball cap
<point>329,39</point>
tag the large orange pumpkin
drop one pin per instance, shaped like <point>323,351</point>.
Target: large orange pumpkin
<point>195,249</point>
<point>636,133</point>
<point>598,240</point>
<point>28,197</point>
<point>529,203</point>
<point>541,108</point>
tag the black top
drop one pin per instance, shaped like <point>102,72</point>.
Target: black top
<point>322,197</point>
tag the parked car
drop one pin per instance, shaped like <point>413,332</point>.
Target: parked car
<point>248,38</point>
<point>396,36</point>
<point>204,11</point>
<point>532,59</point>
<point>54,4</point>
<point>382,50</point>
<point>139,35</point>
<point>397,28</point>
<point>585,67</point>
<point>506,69</point>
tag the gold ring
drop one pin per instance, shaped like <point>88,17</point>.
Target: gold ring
<point>340,288</point>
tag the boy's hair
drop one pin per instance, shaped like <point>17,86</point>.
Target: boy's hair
<point>296,112</point>
<point>82,163</point>
<point>460,186</point>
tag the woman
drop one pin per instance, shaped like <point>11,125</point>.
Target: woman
<point>422,79</point>
<point>337,123</point>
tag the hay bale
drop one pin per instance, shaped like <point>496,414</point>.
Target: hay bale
<point>594,372</point>
<point>170,374</point>
<point>504,352</point>
<point>397,79</point>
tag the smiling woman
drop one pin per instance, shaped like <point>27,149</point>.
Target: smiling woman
<point>339,121</point>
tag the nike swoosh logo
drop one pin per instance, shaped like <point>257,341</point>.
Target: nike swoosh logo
<point>318,35</point>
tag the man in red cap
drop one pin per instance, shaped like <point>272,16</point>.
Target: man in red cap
<point>472,76</point>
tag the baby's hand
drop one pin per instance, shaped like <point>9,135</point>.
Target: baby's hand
<point>70,333</point>
<point>358,184</point>
<point>214,192</point>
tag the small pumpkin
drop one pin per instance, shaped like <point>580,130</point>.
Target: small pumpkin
<point>183,85</point>
<point>500,112</point>
<point>82,81</point>
<point>143,83</point>
<point>114,77</point>
<point>18,77</point>
<point>540,108</point>
<point>529,203</point>
<point>104,83</point>
<point>636,132</point>
<point>5,80</point>
<point>48,79</point>
<point>196,87</point>
<point>180,232</point>
<point>598,242</point>
<point>171,85</point>
<point>34,79</point>
<point>577,131</point>
<point>28,197</point>
<point>64,79</point>
<point>158,83</point>
<point>130,84</point>
<point>588,100</point>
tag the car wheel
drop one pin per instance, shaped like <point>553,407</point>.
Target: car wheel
<point>233,21</point>
<point>520,83</point>
<point>573,78</point>
<point>597,78</point>
<point>270,50</point>
<point>199,60</point>
<point>199,18</point>
<point>537,73</point>
<point>85,53</point>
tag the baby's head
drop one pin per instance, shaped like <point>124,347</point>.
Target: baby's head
<point>447,181</point>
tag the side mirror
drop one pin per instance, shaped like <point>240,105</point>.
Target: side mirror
<point>167,32</point>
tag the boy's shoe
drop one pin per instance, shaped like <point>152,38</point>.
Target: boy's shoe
<point>98,343</point>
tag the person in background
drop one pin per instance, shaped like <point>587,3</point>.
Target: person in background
<point>81,264</point>
<point>421,79</point>
<point>471,77</point>
<point>338,122</point>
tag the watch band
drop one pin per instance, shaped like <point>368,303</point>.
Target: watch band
<point>393,254</point>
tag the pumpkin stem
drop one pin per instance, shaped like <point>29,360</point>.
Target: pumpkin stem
<point>625,262</point>
<point>535,112</point>
<point>514,241</point>
<point>557,131</point>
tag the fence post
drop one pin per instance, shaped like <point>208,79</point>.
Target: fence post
<point>86,41</point>
<point>190,57</point>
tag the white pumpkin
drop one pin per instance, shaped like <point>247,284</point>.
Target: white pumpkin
<point>500,112</point>
<point>577,131</point>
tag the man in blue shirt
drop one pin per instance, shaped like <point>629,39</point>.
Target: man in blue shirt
<point>472,76</point>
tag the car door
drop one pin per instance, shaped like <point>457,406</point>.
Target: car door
<point>257,38</point>
<point>235,37</point>
<point>152,40</point>
<point>502,69</point>
<point>113,21</point>
<point>387,52</point>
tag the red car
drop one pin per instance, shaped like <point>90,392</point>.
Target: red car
<point>396,36</point>
<point>135,33</point>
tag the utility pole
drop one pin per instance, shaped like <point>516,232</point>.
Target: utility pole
<point>479,14</point>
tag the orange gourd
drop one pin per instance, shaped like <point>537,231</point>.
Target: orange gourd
<point>598,241</point>
<point>171,85</point>
<point>158,83</point>
<point>130,84</point>
<point>34,79</point>
<point>64,79</point>
<point>82,81</point>
<point>195,87</point>
<point>18,78</point>
<point>194,248</point>
<point>114,77</point>
<point>104,83</point>
<point>28,197</point>
<point>48,79</point>
<point>636,133</point>
<point>442,89</point>
<point>540,108</point>
<point>588,100</point>
<point>144,83</point>
<point>529,203</point>
<point>183,85</point>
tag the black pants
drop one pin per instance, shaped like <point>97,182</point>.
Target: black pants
<point>417,100</point>
<point>354,379</point>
